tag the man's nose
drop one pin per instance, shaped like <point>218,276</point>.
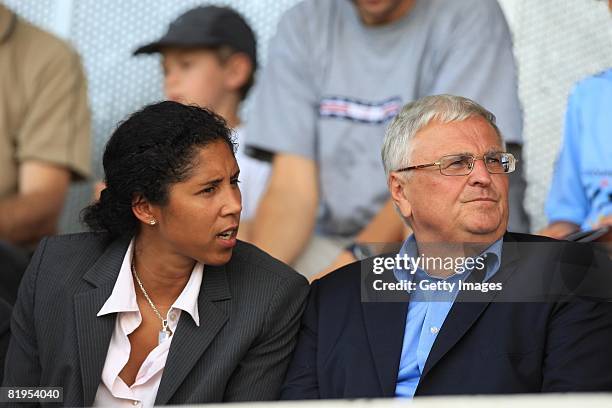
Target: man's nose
<point>480,174</point>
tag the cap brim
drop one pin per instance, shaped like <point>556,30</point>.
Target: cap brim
<point>157,46</point>
<point>150,48</point>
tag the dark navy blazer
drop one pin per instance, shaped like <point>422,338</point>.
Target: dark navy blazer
<point>543,339</point>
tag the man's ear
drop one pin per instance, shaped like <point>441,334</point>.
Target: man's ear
<point>238,68</point>
<point>399,193</point>
<point>143,210</point>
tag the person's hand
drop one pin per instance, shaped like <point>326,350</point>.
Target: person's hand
<point>344,258</point>
<point>558,230</point>
<point>603,221</point>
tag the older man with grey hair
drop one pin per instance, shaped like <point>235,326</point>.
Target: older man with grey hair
<point>448,134</point>
<point>464,307</point>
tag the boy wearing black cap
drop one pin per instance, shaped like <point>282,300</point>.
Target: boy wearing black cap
<point>209,58</point>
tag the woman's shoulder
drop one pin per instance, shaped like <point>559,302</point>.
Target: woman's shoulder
<point>251,263</point>
<point>82,243</point>
<point>263,286</point>
<point>69,254</point>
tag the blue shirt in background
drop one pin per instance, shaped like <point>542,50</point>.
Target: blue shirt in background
<point>581,189</point>
<point>427,311</point>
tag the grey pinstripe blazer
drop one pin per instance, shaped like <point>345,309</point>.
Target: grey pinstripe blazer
<point>249,310</point>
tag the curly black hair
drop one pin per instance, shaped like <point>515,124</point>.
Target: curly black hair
<point>148,152</point>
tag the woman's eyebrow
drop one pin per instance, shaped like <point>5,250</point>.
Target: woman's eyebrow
<point>220,179</point>
<point>215,181</point>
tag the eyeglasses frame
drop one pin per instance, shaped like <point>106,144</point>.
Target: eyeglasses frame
<point>438,163</point>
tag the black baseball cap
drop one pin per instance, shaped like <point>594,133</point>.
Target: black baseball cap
<point>208,26</point>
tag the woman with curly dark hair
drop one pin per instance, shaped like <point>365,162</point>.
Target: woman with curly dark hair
<point>160,304</point>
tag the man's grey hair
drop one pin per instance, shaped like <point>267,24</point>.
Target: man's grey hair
<point>397,146</point>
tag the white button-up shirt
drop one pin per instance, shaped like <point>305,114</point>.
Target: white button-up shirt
<point>113,391</point>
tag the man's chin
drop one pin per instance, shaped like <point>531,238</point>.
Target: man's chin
<point>484,228</point>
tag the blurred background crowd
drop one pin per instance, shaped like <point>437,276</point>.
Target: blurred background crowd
<point>556,44</point>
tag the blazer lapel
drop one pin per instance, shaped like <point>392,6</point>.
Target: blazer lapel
<point>94,333</point>
<point>385,323</point>
<point>468,307</point>
<point>191,341</point>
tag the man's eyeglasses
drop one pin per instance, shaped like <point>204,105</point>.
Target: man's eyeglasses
<point>463,164</point>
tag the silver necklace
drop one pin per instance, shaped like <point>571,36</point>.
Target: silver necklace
<point>164,333</point>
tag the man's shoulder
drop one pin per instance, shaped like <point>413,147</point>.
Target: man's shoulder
<point>603,77</point>
<point>594,86</point>
<point>453,8</point>
<point>39,44</point>
<point>544,243</point>
<point>559,268</point>
<point>311,8</point>
<point>314,19</point>
<point>449,18</point>
<point>344,276</point>
<point>522,237</point>
<point>358,283</point>
<point>528,246</point>
<point>351,281</point>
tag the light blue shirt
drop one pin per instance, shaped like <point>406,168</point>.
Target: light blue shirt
<point>581,188</point>
<point>427,311</point>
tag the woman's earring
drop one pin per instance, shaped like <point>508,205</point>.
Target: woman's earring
<point>152,222</point>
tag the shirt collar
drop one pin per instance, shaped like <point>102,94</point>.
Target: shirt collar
<point>492,254</point>
<point>123,296</point>
<point>188,299</point>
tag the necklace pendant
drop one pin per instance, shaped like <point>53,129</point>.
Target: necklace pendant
<point>164,334</point>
